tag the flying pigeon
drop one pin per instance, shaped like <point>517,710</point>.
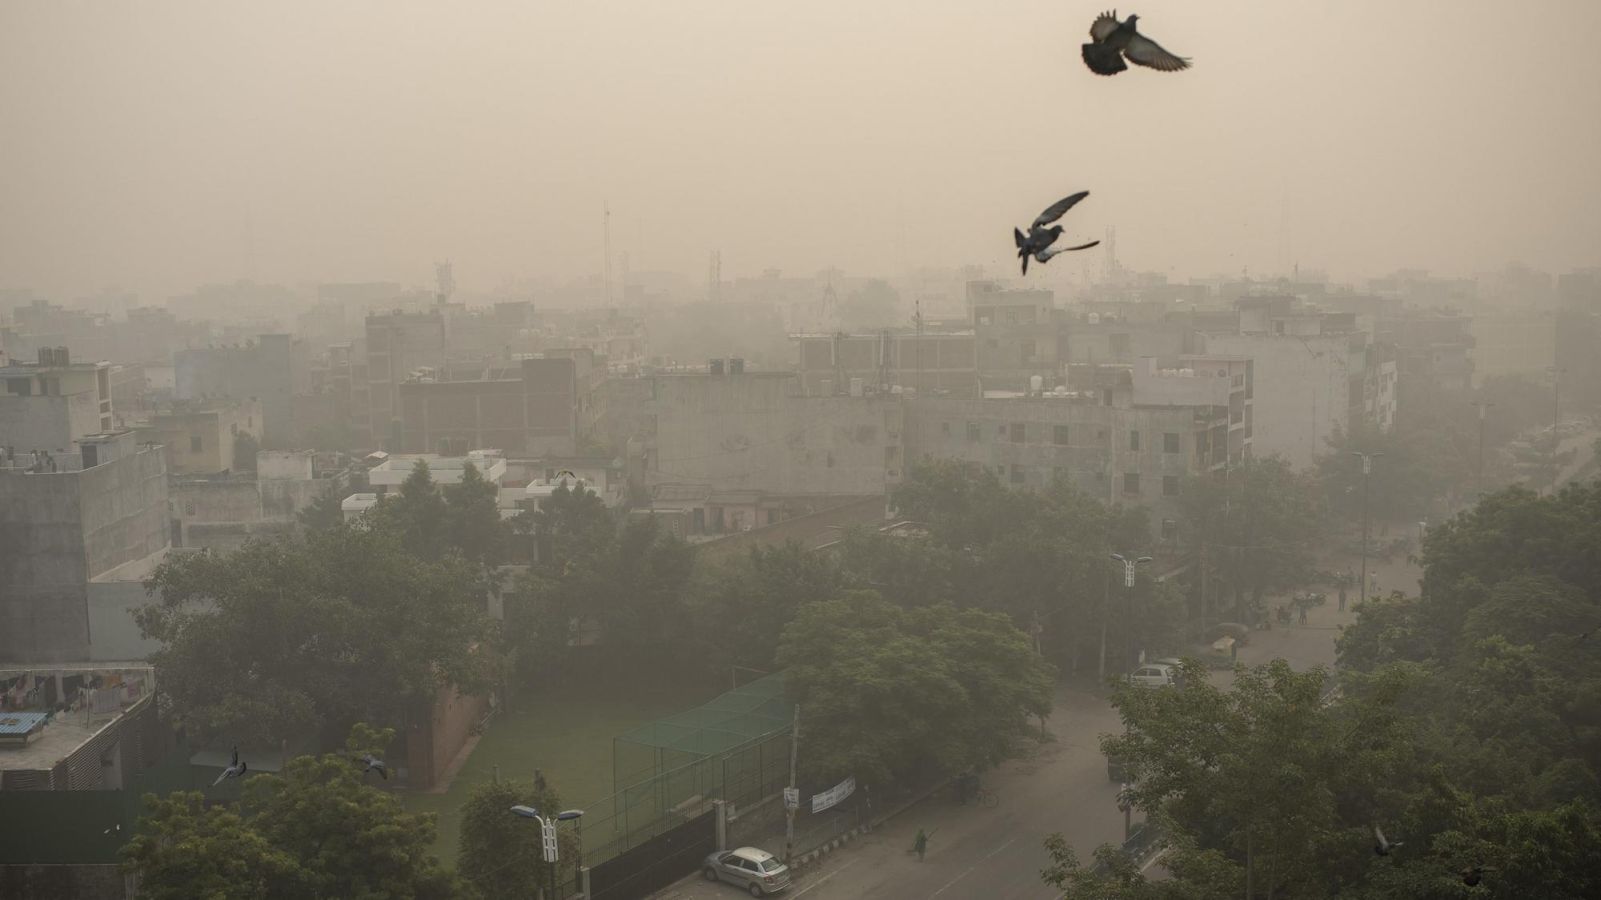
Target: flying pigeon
<point>1472,875</point>
<point>1382,845</point>
<point>1037,243</point>
<point>374,764</point>
<point>1113,41</point>
<point>234,771</point>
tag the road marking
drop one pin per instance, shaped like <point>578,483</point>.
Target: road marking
<point>970,868</point>
<point>825,878</point>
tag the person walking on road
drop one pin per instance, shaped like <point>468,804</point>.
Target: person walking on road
<point>920,844</point>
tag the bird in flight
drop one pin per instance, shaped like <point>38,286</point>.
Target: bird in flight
<point>1113,41</point>
<point>1381,844</point>
<point>1472,875</point>
<point>1037,243</point>
<point>234,771</point>
<point>373,764</point>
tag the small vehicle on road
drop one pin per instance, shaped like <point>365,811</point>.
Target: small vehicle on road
<point>1154,675</point>
<point>757,871</point>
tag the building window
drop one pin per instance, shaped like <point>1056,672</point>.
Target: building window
<point>945,428</point>
<point>973,434</point>
<point>1134,440</point>
<point>1170,442</point>
<point>1060,436</point>
<point>1019,433</point>
<point>1017,474</point>
<point>194,443</point>
<point>1170,485</point>
<point>1170,530</point>
<point>1131,483</point>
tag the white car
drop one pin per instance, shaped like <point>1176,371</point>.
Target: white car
<point>757,871</point>
<point>1154,675</point>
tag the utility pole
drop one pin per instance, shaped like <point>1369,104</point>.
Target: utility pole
<point>606,218</point>
<point>1367,470</point>
<point>1106,609</point>
<point>1129,566</point>
<point>1478,477</point>
<point>793,798</point>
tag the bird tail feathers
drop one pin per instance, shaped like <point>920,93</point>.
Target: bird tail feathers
<point>1017,237</point>
<point>1103,60</point>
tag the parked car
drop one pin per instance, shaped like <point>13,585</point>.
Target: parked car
<point>757,871</point>
<point>1154,675</point>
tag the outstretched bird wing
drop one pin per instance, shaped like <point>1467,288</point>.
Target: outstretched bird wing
<point>1103,26</point>
<point>1047,254</point>
<point>1143,51</point>
<point>1059,209</point>
<point>1378,835</point>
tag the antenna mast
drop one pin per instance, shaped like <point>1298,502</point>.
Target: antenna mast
<point>606,218</point>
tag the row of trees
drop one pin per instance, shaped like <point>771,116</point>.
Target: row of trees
<point>1468,727</point>
<point>1440,453</point>
<point>912,656</point>
<point>320,829</point>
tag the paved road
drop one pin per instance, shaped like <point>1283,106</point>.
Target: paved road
<point>976,852</point>
<point>996,854</point>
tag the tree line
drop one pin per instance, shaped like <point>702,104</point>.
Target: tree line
<point>1466,730</point>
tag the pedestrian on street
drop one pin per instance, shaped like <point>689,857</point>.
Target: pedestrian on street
<point>920,844</point>
<point>1301,608</point>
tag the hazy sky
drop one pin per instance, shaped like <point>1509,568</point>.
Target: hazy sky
<point>160,144</point>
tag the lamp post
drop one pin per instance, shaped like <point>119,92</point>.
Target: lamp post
<point>1367,470</point>
<point>1130,564</point>
<point>1478,475</point>
<point>547,836</point>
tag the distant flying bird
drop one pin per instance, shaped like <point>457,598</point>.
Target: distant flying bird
<point>1472,875</point>
<point>373,764</point>
<point>1382,845</point>
<point>566,473</point>
<point>1113,41</point>
<point>234,771</point>
<point>1037,243</point>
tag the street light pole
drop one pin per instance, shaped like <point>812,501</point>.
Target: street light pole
<point>549,845</point>
<point>1129,566</point>
<point>792,800</point>
<point>1367,470</point>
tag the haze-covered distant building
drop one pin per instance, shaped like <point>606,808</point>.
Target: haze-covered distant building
<point>77,535</point>
<point>48,404</point>
<point>272,370</point>
<point>201,437</point>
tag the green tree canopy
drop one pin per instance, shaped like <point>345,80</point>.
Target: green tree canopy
<point>472,522</point>
<point>284,638</point>
<point>187,850</point>
<point>1254,528</point>
<point>890,693</point>
<point>500,853</point>
<point>315,830</point>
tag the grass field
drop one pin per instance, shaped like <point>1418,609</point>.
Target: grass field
<point>566,733</point>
